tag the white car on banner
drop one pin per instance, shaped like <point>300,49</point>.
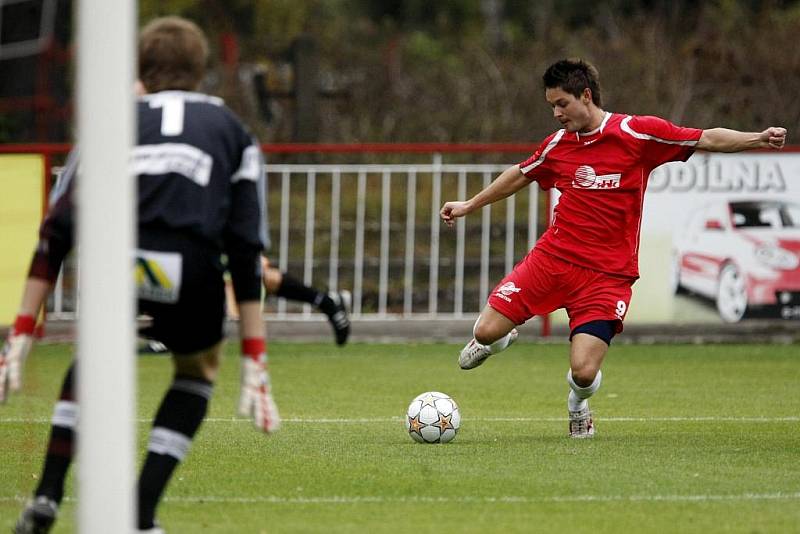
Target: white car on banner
<point>744,254</point>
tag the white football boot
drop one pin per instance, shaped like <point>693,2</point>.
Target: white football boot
<point>580,424</point>
<point>474,353</point>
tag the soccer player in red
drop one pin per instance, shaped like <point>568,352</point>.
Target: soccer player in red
<point>587,261</point>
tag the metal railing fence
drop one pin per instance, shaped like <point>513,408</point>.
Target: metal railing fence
<point>374,229</point>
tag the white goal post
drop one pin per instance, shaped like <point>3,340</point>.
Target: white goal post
<point>105,208</point>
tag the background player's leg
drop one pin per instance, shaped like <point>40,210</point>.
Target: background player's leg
<point>586,356</point>
<point>493,332</point>
<point>331,304</point>
<point>176,422</point>
<point>41,512</point>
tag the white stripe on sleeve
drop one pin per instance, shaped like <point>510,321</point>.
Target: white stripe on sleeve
<point>250,169</point>
<point>553,142</point>
<point>647,137</point>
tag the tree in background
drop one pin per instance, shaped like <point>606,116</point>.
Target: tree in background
<point>469,70</point>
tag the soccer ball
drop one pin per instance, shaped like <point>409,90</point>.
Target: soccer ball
<point>433,417</point>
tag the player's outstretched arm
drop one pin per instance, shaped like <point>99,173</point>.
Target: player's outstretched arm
<point>725,140</point>
<point>255,395</point>
<point>509,182</point>
<point>20,338</point>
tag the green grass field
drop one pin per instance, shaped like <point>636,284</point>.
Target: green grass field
<point>690,439</point>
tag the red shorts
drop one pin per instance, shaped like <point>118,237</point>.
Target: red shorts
<point>542,283</point>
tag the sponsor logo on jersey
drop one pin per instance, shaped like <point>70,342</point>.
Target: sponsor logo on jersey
<point>506,290</point>
<point>173,158</point>
<point>587,178</point>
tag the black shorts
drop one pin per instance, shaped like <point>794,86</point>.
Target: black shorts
<point>191,318</point>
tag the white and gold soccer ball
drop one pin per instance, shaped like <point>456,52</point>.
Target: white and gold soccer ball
<point>433,417</point>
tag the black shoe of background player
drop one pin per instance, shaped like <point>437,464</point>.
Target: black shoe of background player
<point>38,516</point>
<point>335,306</point>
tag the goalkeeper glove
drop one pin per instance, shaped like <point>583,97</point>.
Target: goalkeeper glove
<point>12,357</point>
<point>255,397</point>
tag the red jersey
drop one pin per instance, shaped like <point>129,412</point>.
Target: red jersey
<point>602,176</point>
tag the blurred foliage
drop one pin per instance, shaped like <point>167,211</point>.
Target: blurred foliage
<point>470,70</point>
<point>423,71</point>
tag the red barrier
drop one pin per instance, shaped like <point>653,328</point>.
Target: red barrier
<point>341,148</point>
<point>396,148</point>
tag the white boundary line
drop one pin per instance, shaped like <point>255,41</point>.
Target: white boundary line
<point>467,499</point>
<point>354,421</point>
<point>506,499</point>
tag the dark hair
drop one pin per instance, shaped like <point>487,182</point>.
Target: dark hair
<point>173,53</point>
<point>573,76</point>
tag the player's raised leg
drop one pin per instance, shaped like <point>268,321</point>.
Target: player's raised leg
<point>589,347</point>
<point>492,333</point>
<point>333,304</point>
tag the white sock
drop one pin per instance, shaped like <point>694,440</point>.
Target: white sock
<point>578,395</point>
<point>501,344</point>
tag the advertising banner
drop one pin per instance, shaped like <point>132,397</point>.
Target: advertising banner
<point>20,215</point>
<point>720,241</point>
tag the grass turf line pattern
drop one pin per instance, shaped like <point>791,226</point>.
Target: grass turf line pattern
<point>691,439</point>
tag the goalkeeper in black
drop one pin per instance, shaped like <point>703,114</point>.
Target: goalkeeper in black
<point>200,198</point>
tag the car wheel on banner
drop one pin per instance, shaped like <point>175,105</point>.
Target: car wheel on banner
<point>731,294</point>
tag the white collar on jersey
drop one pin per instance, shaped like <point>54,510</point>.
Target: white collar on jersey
<point>598,129</point>
<point>188,96</point>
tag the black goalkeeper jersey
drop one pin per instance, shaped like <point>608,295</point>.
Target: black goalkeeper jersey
<point>199,174</point>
